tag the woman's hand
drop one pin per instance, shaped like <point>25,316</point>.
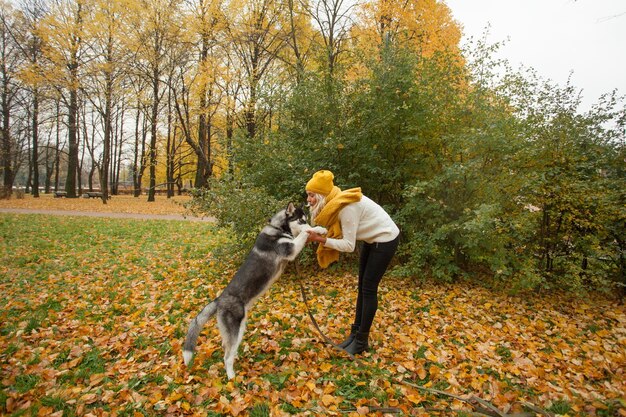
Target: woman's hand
<point>315,237</point>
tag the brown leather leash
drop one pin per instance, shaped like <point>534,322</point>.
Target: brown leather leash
<point>308,309</point>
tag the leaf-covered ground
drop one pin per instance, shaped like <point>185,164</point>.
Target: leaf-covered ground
<point>94,312</point>
<point>117,204</point>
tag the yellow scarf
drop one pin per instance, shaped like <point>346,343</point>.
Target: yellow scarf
<point>329,218</point>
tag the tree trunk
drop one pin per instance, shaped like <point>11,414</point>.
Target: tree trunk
<point>170,150</point>
<point>90,148</point>
<point>153,134</point>
<point>110,157</point>
<point>7,166</point>
<point>81,160</point>
<point>230,130</point>
<point>35,149</point>
<point>72,163</point>
<point>104,172</point>
<point>57,151</point>
<point>49,169</point>
<point>250,114</point>
<point>203,168</point>
<point>118,133</point>
<point>139,161</point>
<point>29,180</point>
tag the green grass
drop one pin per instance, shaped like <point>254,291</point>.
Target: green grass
<point>260,410</point>
<point>58,403</point>
<point>277,380</point>
<point>560,407</point>
<point>24,383</point>
<point>504,353</point>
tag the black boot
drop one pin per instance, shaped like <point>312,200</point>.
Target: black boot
<point>350,338</point>
<point>359,344</point>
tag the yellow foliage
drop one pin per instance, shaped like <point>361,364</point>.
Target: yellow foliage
<point>422,26</point>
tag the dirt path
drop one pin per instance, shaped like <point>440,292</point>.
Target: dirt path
<point>111,215</point>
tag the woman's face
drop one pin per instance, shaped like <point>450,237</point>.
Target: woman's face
<point>311,199</point>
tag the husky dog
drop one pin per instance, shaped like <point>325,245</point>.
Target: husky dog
<point>280,241</point>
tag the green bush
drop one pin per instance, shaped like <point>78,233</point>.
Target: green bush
<point>499,179</point>
<point>239,207</point>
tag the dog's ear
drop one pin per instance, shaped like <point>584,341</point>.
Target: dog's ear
<point>290,209</point>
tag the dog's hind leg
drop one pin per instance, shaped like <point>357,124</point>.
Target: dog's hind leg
<point>231,325</point>
<point>194,330</point>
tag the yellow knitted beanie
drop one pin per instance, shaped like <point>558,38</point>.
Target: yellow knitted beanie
<point>321,183</point>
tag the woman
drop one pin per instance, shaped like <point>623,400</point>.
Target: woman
<point>349,216</point>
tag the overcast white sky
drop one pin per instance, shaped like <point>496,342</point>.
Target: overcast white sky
<point>556,37</point>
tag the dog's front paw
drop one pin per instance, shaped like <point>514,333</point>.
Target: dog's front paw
<point>319,230</point>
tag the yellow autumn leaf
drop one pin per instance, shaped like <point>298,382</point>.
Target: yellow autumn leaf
<point>326,367</point>
<point>155,397</point>
<point>328,399</point>
<point>73,363</point>
<point>415,399</point>
<point>173,397</point>
<point>45,411</point>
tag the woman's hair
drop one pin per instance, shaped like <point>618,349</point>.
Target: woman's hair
<point>315,210</point>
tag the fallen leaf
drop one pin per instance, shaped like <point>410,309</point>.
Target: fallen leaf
<point>327,400</point>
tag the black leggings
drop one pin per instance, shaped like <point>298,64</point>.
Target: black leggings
<point>375,258</point>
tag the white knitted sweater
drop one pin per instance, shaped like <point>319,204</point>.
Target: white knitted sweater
<point>364,220</point>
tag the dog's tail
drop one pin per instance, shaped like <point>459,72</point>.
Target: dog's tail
<point>195,328</point>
